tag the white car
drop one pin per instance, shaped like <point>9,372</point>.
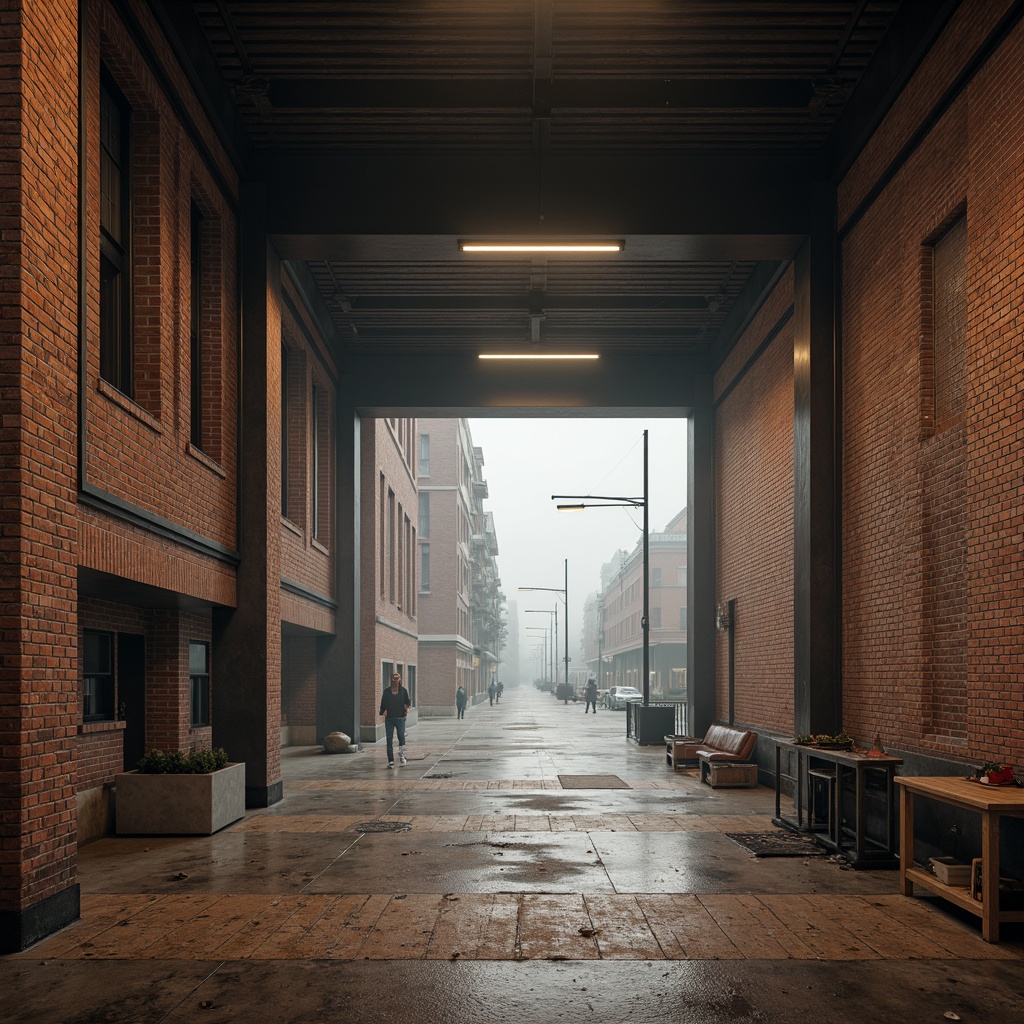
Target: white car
<point>619,696</point>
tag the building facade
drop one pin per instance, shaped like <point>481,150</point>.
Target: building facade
<point>459,588</point>
<point>389,584</point>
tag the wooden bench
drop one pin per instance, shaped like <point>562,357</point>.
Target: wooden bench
<point>723,744</point>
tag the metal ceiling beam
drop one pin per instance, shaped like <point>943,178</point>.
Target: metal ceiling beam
<point>520,94</point>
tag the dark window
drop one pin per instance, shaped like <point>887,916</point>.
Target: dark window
<point>424,567</point>
<point>656,577</point>
<point>284,431</point>
<point>115,239</point>
<point>196,329</point>
<point>424,466</point>
<point>655,618</point>
<point>199,681</point>
<point>98,677</point>
<point>315,458</point>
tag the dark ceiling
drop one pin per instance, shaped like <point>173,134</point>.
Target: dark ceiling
<point>401,120</point>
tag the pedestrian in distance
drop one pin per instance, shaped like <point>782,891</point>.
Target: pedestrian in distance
<point>394,706</point>
<point>590,695</point>
<point>460,701</point>
<point>501,690</point>
<point>492,691</point>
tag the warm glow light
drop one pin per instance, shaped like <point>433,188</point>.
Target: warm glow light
<point>536,246</point>
<point>570,508</point>
<point>539,355</point>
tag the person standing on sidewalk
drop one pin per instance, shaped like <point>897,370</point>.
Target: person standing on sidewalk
<point>460,701</point>
<point>492,691</point>
<point>590,695</point>
<point>394,706</point>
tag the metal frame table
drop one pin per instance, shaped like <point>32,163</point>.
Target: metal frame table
<point>991,802</point>
<point>852,841</point>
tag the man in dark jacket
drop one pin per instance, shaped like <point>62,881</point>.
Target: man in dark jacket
<point>590,695</point>
<point>394,706</point>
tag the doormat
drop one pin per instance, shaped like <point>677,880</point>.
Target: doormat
<point>776,844</point>
<point>592,782</point>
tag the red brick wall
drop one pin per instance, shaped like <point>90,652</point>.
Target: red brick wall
<point>754,516</point>
<point>139,449</point>
<point>38,360</point>
<point>892,472</point>
<point>298,681</point>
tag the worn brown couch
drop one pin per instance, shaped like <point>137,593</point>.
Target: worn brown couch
<point>724,743</point>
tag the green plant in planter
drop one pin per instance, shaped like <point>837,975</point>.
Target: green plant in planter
<point>174,762</point>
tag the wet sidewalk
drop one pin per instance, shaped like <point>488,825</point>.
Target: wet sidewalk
<point>528,864</point>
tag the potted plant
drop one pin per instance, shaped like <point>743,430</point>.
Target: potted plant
<point>996,773</point>
<point>173,793</point>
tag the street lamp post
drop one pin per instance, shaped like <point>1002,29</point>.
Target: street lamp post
<point>583,501</point>
<point>565,598</point>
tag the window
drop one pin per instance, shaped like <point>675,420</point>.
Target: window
<point>400,557</point>
<point>424,567</point>
<point>655,618</point>
<point>383,535</point>
<point>391,546</point>
<point>424,467</point>
<point>424,516</point>
<point>656,577</point>
<point>199,682</point>
<point>115,239</point>
<point>98,677</point>
<point>284,431</point>
<point>315,459</point>
<point>196,327</point>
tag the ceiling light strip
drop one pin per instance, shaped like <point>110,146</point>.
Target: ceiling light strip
<point>539,246</point>
<point>539,355</point>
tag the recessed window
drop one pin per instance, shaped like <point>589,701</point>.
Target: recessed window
<point>98,676</point>
<point>199,682</point>
<point>424,466</point>
<point>196,326</point>
<point>115,239</point>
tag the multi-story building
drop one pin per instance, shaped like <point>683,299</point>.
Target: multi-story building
<point>619,611</point>
<point>389,587</point>
<point>459,601</point>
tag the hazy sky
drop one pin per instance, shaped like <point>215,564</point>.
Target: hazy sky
<point>528,460</point>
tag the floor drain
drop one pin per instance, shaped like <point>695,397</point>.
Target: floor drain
<point>439,775</point>
<point>384,826</point>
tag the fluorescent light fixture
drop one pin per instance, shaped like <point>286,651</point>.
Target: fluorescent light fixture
<point>570,508</point>
<point>542,246</point>
<point>539,355</point>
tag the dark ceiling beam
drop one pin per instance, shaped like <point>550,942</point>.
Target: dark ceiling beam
<point>704,193</point>
<point>912,33</point>
<point>521,302</point>
<point>424,95</point>
<point>187,38</point>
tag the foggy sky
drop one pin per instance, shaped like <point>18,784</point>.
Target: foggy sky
<point>528,460</point>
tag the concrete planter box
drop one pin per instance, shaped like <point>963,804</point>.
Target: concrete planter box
<point>179,805</point>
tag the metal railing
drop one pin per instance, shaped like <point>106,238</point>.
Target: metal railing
<point>680,715</point>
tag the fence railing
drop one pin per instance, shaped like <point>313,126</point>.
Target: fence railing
<point>679,707</point>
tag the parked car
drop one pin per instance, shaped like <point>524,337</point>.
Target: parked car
<point>619,696</point>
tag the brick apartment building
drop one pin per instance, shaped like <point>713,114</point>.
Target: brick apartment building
<point>389,572</point>
<point>460,596</point>
<point>221,271</point>
<point>612,617</point>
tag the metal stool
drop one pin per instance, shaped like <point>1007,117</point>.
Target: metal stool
<point>821,783</point>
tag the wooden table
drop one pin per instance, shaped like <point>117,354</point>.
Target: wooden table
<point>991,802</point>
<point>851,841</point>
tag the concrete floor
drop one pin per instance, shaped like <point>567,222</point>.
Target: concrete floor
<point>502,896</point>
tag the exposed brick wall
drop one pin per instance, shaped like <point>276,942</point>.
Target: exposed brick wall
<point>754,518</point>
<point>139,449</point>
<point>893,472</point>
<point>100,754</point>
<point>298,681</point>
<point>38,360</point>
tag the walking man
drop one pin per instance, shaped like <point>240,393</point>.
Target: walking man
<point>394,706</point>
<point>492,691</point>
<point>590,695</point>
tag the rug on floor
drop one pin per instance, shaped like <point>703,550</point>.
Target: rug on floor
<point>592,782</point>
<point>776,844</point>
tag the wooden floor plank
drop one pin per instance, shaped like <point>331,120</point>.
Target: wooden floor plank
<point>819,922</point>
<point>621,929</point>
<point>793,945</point>
<point>475,926</point>
<point>100,912</point>
<point>930,918</point>
<point>753,933</point>
<point>293,933</point>
<point>199,938</point>
<point>685,930</point>
<point>404,929</point>
<point>142,935</point>
<point>552,927</point>
<point>260,927</point>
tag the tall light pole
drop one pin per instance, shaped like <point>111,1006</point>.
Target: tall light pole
<point>549,665</point>
<point>583,501</point>
<point>565,598</point>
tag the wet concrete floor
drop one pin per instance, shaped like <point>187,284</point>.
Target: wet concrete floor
<point>471,885</point>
